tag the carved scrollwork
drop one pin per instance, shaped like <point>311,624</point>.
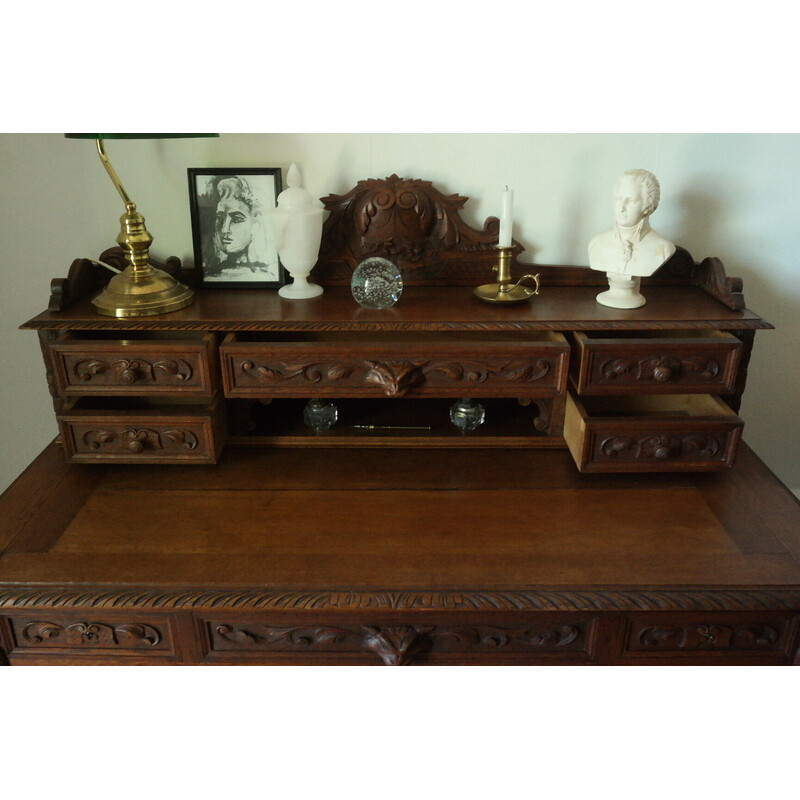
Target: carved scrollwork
<point>660,447</point>
<point>313,372</point>
<point>295,636</point>
<point>90,634</point>
<point>396,377</point>
<point>708,636</point>
<point>660,368</point>
<point>521,370</point>
<point>399,645</point>
<point>137,440</point>
<point>130,371</point>
<point>495,637</point>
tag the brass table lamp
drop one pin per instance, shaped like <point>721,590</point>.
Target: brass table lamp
<point>140,290</point>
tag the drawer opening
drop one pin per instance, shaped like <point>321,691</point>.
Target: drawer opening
<point>662,406</point>
<point>420,422</point>
<point>161,404</point>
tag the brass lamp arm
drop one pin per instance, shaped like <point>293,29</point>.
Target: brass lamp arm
<point>129,204</point>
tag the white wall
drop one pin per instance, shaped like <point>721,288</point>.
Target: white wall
<point>734,196</point>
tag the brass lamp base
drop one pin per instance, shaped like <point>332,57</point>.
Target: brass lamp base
<point>503,293</point>
<point>129,295</point>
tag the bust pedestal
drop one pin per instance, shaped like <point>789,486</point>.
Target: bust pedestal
<point>623,292</point>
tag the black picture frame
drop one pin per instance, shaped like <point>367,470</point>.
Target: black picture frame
<point>233,243</point>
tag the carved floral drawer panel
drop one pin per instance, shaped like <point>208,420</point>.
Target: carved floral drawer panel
<point>398,366</point>
<point>397,643</point>
<point>100,366</point>
<point>134,433</point>
<point>688,635</point>
<point>651,433</point>
<point>89,635</point>
<point>669,362</point>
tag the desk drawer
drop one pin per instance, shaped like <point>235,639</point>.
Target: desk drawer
<point>651,433</point>
<point>140,366</point>
<point>134,432</point>
<point>397,366</point>
<point>672,362</point>
<point>700,638</point>
<point>89,636</point>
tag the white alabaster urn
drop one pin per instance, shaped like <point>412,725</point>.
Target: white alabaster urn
<point>297,226</point>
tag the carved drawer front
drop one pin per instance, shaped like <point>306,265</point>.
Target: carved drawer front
<point>672,362</point>
<point>87,633</point>
<point>134,433</point>
<point>398,644</point>
<point>397,366</point>
<point>103,366</point>
<point>651,433</point>
<point>698,633</point>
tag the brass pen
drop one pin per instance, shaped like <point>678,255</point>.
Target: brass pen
<point>394,427</point>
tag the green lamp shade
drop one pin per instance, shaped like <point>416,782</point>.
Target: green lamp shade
<point>139,135</point>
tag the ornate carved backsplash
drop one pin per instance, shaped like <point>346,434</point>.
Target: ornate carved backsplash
<point>411,223</point>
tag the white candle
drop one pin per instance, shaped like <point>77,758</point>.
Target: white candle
<point>506,207</point>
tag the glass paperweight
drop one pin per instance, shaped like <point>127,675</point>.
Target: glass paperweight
<point>376,283</point>
<point>320,415</point>
<point>466,414</point>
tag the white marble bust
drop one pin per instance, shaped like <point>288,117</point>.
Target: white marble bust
<point>631,249</point>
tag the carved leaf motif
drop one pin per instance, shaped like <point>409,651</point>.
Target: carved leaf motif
<point>396,644</point>
<point>394,377</point>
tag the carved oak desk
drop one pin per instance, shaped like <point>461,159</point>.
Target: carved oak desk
<point>600,515</point>
<point>364,556</point>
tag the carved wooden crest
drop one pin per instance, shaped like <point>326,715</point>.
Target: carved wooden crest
<point>412,224</point>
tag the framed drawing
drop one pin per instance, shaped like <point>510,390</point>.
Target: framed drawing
<point>233,243</point>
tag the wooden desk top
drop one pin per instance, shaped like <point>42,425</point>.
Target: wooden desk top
<point>389,529</point>
<point>420,308</point>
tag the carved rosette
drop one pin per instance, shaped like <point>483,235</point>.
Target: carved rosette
<point>89,634</point>
<point>130,371</point>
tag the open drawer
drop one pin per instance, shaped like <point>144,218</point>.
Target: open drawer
<point>143,363</point>
<point>671,362</point>
<point>398,364</point>
<point>137,430</point>
<point>651,433</point>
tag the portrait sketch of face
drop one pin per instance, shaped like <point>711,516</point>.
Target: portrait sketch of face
<point>232,237</point>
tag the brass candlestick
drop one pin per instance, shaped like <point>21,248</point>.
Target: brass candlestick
<point>504,291</point>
